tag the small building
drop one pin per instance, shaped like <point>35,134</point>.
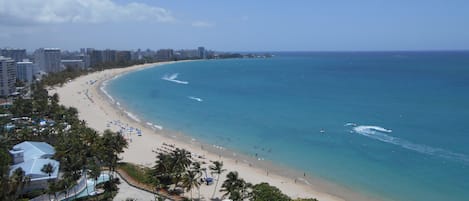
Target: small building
<point>31,157</point>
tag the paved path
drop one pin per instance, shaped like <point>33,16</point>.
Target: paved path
<point>126,191</point>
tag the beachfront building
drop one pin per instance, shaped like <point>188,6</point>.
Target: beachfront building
<point>96,57</point>
<point>123,56</point>
<point>7,76</point>
<point>202,53</point>
<point>15,54</point>
<point>48,59</point>
<point>75,64</point>
<point>109,56</point>
<point>31,157</point>
<point>164,54</point>
<point>24,71</point>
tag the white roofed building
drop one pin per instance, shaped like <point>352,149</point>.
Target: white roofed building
<point>31,157</point>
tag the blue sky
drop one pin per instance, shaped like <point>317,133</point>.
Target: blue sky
<point>241,25</point>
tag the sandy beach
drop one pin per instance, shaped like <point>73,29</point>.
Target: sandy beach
<point>100,112</point>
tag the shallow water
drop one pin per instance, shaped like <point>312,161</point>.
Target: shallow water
<point>391,124</point>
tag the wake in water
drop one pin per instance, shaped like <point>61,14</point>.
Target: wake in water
<point>195,98</point>
<point>382,134</point>
<point>172,78</point>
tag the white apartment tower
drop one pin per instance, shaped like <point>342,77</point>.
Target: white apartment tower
<point>48,59</point>
<point>7,76</point>
<point>24,71</point>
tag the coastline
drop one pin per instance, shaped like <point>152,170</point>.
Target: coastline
<point>98,108</point>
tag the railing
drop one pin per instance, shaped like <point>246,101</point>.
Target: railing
<point>70,193</point>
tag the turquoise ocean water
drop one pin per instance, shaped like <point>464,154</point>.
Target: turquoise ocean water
<point>391,124</point>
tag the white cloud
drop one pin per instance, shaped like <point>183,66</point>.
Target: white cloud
<point>202,24</point>
<point>78,11</point>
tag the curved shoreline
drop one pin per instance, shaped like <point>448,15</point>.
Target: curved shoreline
<point>99,108</point>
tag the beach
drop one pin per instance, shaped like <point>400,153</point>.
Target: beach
<point>101,112</point>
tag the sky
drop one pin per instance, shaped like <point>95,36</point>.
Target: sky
<point>241,25</point>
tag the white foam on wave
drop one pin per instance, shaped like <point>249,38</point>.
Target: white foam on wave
<point>381,134</point>
<point>107,94</point>
<point>172,78</point>
<point>132,116</point>
<point>195,98</point>
<point>350,124</point>
<point>158,127</point>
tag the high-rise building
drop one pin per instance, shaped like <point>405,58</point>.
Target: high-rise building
<point>48,59</point>
<point>7,76</point>
<point>124,56</point>
<point>164,54</point>
<point>24,71</point>
<point>202,53</point>
<point>109,56</point>
<point>15,54</point>
<point>96,57</point>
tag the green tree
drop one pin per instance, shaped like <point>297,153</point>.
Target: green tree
<point>235,188</point>
<point>48,169</point>
<point>216,168</point>
<point>266,192</point>
<point>191,180</point>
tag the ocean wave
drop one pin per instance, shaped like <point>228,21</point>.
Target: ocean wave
<point>381,134</point>
<point>350,124</point>
<point>132,116</point>
<point>172,78</point>
<point>107,94</point>
<point>195,98</point>
<point>158,127</point>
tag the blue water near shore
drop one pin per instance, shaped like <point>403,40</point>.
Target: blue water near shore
<point>392,124</point>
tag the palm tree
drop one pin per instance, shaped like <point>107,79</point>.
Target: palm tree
<point>94,170</point>
<point>199,171</point>
<point>235,188</point>
<point>217,168</point>
<point>180,161</point>
<point>17,182</point>
<point>190,180</point>
<point>48,169</point>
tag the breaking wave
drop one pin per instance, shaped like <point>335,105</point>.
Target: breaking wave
<point>382,134</point>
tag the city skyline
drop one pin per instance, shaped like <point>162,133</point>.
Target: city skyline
<point>235,26</point>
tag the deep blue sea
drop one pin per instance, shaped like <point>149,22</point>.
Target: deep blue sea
<point>391,124</point>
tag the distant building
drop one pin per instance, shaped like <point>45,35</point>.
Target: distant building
<point>7,76</point>
<point>48,59</point>
<point>96,57</point>
<point>109,56</point>
<point>31,157</point>
<point>15,54</point>
<point>24,71</point>
<point>86,60</point>
<point>164,54</point>
<point>73,64</point>
<point>188,54</point>
<point>202,53</point>
<point>124,56</point>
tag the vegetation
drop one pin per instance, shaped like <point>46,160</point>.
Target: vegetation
<point>266,192</point>
<point>235,188</point>
<point>216,168</point>
<point>137,173</point>
<point>79,149</point>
